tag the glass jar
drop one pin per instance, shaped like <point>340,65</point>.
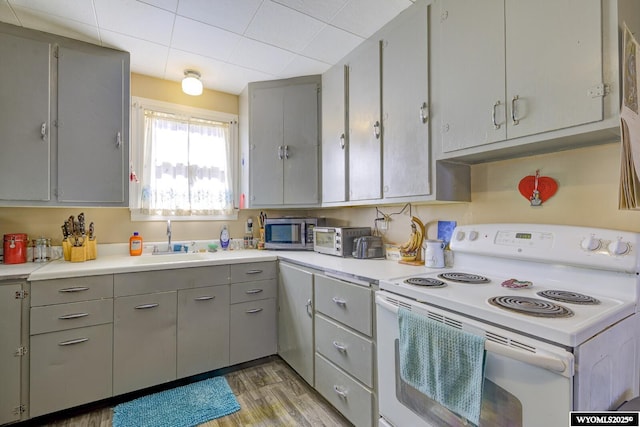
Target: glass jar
<point>41,249</point>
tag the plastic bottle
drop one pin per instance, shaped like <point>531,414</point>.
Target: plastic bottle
<point>224,237</point>
<point>135,244</point>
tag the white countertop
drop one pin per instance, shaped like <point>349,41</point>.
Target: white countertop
<point>116,260</point>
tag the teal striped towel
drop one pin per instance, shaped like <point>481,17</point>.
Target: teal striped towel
<point>442,362</point>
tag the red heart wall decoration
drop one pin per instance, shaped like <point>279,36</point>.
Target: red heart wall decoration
<point>546,187</point>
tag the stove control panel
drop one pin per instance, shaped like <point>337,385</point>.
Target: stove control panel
<point>582,246</point>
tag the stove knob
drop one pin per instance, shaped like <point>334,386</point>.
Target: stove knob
<point>460,236</point>
<point>618,247</point>
<point>590,243</point>
<point>473,235</point>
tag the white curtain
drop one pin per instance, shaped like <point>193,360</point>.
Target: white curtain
<point>185,166</point>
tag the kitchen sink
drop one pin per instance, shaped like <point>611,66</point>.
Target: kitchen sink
<point>170,257</point>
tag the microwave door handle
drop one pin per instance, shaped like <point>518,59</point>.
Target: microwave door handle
<point>547,361</point>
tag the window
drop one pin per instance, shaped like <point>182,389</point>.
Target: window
<point>182,162</point>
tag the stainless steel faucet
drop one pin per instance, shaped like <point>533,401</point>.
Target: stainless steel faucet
<point>169,249</point>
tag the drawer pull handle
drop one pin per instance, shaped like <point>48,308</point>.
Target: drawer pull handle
<point>205,298</point>
<point>340,392</point>
<point>145,306</point>
<point>74,289</point>
<point>339,301</point>
<point>73,316</point>
<point>253,310</point>
<point>253,291</point>
<point>309,307</point>
<point>340,347</point>
<point>253,271</point>
<point>72,342</point>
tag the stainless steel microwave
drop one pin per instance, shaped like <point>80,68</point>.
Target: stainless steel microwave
<point>295,233</point>
<point>337,240</point>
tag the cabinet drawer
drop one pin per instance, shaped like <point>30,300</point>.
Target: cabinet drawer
<point>70,368</point>
<point>61,317</point>
<point>344,302</point>
<point>345,348</point>
<point>351,398</point>
<point>145,282</point>
<point>253,271</point>
<point>75,289</point>
<point>253,330</point>
<point>251,291</point>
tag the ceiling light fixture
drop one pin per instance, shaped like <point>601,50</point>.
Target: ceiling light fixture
<point>191,84</point>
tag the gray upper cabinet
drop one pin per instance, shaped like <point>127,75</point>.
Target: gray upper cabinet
<point>284,142</point>
<point>65,121</point>
<point>405,105</point>
<point>92,140</point>
<point>25,121</point>
<point>365,129</point>
<point>518,77</point>
<point>334,134</point>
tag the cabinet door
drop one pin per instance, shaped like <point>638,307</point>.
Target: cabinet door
<point>10,337</point>
<point>365,148</point>
<point>300,149</point>
<point>144,341</point>
<point>253,330</point>
<point>472,71</point>
<point>295,319</point>
<point>405,104</point>
<point>266,147</point>
<point>92,139</point>
<point>334,134</point>
<point>553,63</point>
<point>70,368</point>
<point>203,330</point>
<point>25,120</point>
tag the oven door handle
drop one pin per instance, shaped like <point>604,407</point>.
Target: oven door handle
<point>546,361</point>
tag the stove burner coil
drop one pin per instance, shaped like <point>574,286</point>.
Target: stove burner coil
<point>425,281</point>
<point>569,297</point>
<point>530,306</point>
<point>463,277</point>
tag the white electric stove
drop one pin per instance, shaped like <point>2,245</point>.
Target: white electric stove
<point>550,295</point>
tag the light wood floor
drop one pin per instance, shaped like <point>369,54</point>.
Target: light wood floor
<point>270,394</point>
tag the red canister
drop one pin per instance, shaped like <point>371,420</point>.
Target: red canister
<point>15,248</point>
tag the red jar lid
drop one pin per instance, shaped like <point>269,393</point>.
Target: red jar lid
<point>18,237</point>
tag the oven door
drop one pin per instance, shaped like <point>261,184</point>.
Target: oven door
<point>527,383</point>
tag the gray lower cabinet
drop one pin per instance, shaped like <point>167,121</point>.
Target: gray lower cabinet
<point>144,341</point>
<point>295,319</point>
<point>71,343</point>
<point>12,403</point>
<point>203,330</point>
<point>345,348</point>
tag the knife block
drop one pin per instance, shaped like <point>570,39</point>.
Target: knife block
<point>88,251</point>
<point>92,249</point>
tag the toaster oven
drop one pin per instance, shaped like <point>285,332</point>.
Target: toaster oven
<point>337,241</point>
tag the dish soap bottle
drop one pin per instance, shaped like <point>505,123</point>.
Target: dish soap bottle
<point>135,244</point>
<point>224,237</point>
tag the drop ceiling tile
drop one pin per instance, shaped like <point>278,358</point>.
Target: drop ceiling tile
<point>43,21</point>
<point>146,57</point>
<point>365,17</point>
<point>6,14</point>
<point>170,5</point>
<point>231,15</point>
<point>301,66</point>
<point>260,57</point>
<point>196,37</point>
<point>331,45</point>
<point>322,10</point>
<point>283,27</point>
<point>81,11</point>
<point>135,19</point>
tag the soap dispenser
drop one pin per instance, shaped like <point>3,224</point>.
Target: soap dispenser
<point>224,237</point>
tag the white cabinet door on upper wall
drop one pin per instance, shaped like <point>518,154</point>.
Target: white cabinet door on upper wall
<point>512,68</point>
<point>334,134</point>
<point>405,105</point>
<point>25,73</point>
<point>365,148</point>
<point>92,140</point>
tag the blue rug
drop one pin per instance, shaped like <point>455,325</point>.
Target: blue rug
<point>184,406</point>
